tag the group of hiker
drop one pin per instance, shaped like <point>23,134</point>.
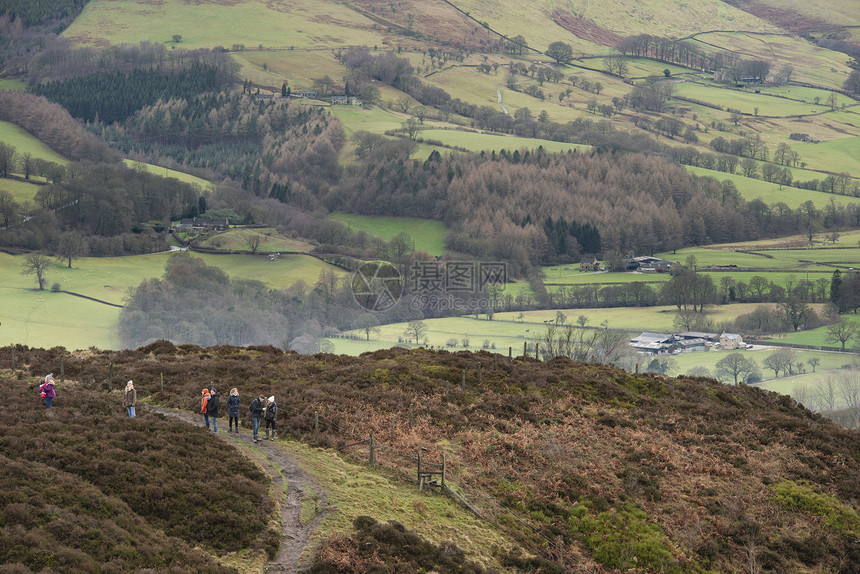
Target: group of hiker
<point>261,409</point>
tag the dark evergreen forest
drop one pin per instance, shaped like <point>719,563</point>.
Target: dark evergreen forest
<point>114,96</point>
<point>35,12</point>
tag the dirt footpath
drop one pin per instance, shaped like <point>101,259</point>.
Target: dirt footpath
<point>279,467</point>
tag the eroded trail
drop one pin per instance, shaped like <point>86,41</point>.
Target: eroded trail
<point>300,486</point>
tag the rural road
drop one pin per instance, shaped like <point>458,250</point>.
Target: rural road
<point>499,97</point>
<point>279,467</point>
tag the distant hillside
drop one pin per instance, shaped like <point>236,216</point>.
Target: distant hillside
<point>588,467</point>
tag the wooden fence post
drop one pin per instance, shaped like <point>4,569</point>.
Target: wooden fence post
<point>62,368</point>
<point>372,449</point>
<point>510,353</point>
<point>162,382</point>
<point>411,414</point>
<point>316,426</point>
<point>420,482</point>
<point>525,349</point>
<point>463,382</point>
<point>110,377</point>
<point>537,351</point>
<point>443,471</point>
<point>480,375</point>
<point>447,384</point>
<point>637,368</point>
<point>392,429</point>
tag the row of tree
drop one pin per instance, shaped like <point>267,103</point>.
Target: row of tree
<point>54,126</point>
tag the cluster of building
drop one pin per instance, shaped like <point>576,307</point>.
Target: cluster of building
<point>688,341</point>
<point>196,225</point>
<point>642,264</point>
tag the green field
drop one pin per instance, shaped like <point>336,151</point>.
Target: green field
<point>771,193</point>
<point>428,235</point>
<point>477,142</point>
<point>812,64</point>
<point>506,331</point>
<point>25,143</point>
<point>837,156</point>
<point>270,241</point>
<point>775,259</point>
<point>48,319</point>
<point>9,84</point>
<point>21,191</point>
<point>747,100</point>
<point>165,172</point>
<point>205,25</point>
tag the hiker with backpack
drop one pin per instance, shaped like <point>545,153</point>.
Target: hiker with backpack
<point>46,390</point>
<point>203,404</point>
<point>212,408</point>
<point>256,409</point>
<point>233,409</point>
<point>271,415</point>
<point>130,399</point>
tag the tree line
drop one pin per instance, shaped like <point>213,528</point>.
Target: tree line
<point>53,125</point>
<point>199,304</point>
<point>99,209</point>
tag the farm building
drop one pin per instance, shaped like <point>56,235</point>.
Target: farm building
<point>732,341</point>
<point>709,337</point>
<point>589,264</point>
<point>662,343</point>
<point>653,343</point>
<point>201,225</point>
<point>646,264</point>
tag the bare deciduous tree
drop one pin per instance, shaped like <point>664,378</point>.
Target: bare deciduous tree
<point>37,264</point>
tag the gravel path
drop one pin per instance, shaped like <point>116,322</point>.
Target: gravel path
<point>280,467</point>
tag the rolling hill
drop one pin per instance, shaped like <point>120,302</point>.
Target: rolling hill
<point>568,465</point>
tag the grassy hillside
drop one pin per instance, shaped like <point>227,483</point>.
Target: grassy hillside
<point>248,22</point>
<point>428,235</point>
<point>25,143</point>
<point>21,191</point>
<point>560,457</point>
<point>103,493</point>
<point>270,241</point>
<point>165,172</point>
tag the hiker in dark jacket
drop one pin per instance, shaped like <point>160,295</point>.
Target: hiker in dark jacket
<point>212,408</point>
<point>233,409</point>
<point>271,415</point>
<point>256,414</point>
<point>129,399</point>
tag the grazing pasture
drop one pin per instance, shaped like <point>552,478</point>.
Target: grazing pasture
<point>428,235</point>
<point>25,143</point>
